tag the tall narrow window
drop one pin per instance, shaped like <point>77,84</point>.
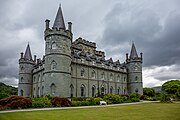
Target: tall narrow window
<point>93,74</point>
<point>82,72</point>
<point>102,76</point>
<point>53,89</point>
<point>53,65</point>
<point>42,92</point>
<point>119,90</point>
<point>118,78</point>
<point>21,92</point>
<point>111,90</point>
<point>111,77</point>
<point>136,78</point>
<point>102,91</point>
<point>82,90</point>
<point>71,90</point>
<point>21,79</point>
<point>93,91</point>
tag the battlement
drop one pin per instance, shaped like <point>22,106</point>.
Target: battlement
<point>56,31</point>
<point>84,42</point>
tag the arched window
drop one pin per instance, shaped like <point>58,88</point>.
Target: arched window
<point>53,89</point>
<point>111,90</point>
<point>54,45</point>
<point>102,91</point>
<point>39,78</point>
<point>38,92</point>
<point>21,92</point>
<point>124,91</point>
<point>71,90</point>
<point>119,89</point>
<point>124,79</point>
<point>53,65</point>
<point>136,78</point>
<point>93,91</point>
<point>136,90</point>
<point>111,76</point>
<point>118,78</point>
<point>93,74</point>
<point>42,91</point>
<point>102,76</point>
<point>21,79</point>
<point>82,72</point>
<point>82,90</point>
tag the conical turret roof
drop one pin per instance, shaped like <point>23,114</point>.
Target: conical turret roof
<point>133,53</point>
<point>27,54</point>
<point>59,20</point>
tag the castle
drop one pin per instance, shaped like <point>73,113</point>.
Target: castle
<point>75,68</point>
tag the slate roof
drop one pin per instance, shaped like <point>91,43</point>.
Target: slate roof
<point>59,20</point>
<point>133,53</point>
<point>27,54</point>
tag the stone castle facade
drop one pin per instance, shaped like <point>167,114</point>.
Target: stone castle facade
<point>75,68</point>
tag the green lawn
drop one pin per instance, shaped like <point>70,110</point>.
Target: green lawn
<point>146,111</point>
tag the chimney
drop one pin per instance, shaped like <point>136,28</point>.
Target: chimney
<point>22,55</point>
<point>70,26</point>
<point>47,23</point>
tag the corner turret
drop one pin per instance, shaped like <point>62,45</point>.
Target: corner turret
<point>25,73</point>
<point>134,68</point>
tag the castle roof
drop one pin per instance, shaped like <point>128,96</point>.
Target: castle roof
<point>59,20</point>
<point>133,53</point>
<point>27,54</point>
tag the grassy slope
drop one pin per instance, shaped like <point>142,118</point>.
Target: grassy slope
<point>148,111</point>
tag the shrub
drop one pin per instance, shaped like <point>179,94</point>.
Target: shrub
<point>78,99</point>
<point>41,102</point>
<point>134,97</point>
<point>63,102</point>
<point>165,98</point>
<point>4,95</point>
<point>14,102</point>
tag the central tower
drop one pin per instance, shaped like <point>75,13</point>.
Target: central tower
<point>57,72</point>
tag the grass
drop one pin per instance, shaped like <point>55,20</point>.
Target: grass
<point>147,111</point>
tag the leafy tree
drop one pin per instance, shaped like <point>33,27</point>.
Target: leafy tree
<point>172,87</point>
<point>149,92</point>
<point>8,89</point>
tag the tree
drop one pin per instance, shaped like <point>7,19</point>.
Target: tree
<point>172,87</point>
<point>149,92</point>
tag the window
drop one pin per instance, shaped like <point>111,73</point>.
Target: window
<point>111,77</point>
<point>93,74</point>
<point>124,91</point>
<point>54,46</point>
<point>102,91</point>
<point>82,60</point>
<point>118,78</point>
<point>42,91</point>
<point>82,90</point>
<point>93,91</point>
<point>38,93</point>
<point>21,79</point>
<point>39,78</point>
<point>82,72</point>
<point>136,78</point>
<point>93,62</point>
<point>53,65</point>
<point>119,90</point>
<point>136,90</point>
<point>102,76</point>
<point>71,90</point>
<point>53,89</point>
<point>111,90</point>
<point>21,92</point>
<point>124,79</point>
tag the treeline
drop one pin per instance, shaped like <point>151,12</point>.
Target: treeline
<point>6,90</point>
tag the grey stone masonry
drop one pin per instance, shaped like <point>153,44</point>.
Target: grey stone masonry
<point>76,68</point>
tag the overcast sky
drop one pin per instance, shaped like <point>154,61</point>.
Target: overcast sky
<point>154,27</point>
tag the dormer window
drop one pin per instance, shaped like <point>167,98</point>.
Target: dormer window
<point>93,62</point>
<point>53,65</point>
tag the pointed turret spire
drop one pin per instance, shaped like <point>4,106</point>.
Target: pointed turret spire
<point>133,53</point>
<point>27,54</point>
<point>59,20</point>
